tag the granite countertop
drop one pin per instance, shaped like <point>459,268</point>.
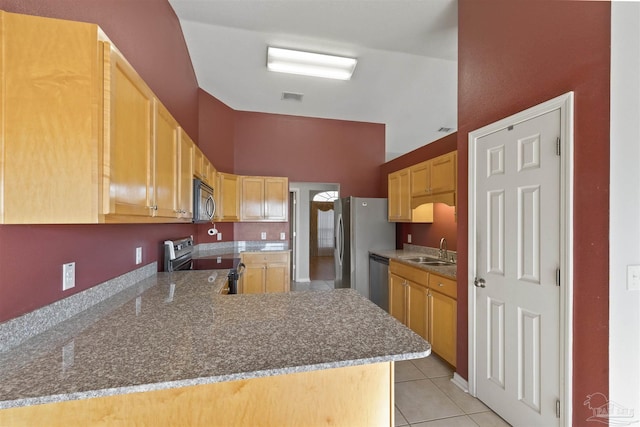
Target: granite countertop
<point>176,330</point>
<point>402,255</point>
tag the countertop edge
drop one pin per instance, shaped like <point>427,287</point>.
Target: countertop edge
<point>7,404</point>
<point>401,255</point>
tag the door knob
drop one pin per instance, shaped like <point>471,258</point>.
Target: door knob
<point>479,283</point>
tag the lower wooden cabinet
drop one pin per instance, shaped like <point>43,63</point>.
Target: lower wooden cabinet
<point>265,272</point>
<point>426,303</point>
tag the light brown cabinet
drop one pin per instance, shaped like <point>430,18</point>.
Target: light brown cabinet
<point>52,118</point>
<point>399,199</point>
<point>84,138</point>
<point>434,180</point>
<point>227,195</point>
<point>264,198</point>
<point>185,176</point>
<point>443,317</point>
<point>265,272</point>
<point>426,303</point>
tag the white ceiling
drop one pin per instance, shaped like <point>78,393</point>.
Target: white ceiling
<point>406,75</point>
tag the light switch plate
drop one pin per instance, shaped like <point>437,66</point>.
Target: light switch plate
<point>633,277</point>
<point>282,236</point>
<point>263,235</point>
<point>139,255</point>
<point>219,236</point>
<point>408,238</point>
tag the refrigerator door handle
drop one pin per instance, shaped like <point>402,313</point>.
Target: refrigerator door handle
<point>340,239</point>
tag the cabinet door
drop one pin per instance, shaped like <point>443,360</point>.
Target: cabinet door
<point>417,309</point>
<point>50,120</point>
<point>253,279</point>
<point>442,326</point>
<point>399,196</point>
<point>199,164</point>
<point>276,198</point>
<point>165,177</point>
<point>421,179</point>
<point>129,149</point>
<point>252,204</point>
<point>185,176</point>
<point>397,300</point>
<point>277,279</point>
<point>228,200</point>
<point>443,173</point>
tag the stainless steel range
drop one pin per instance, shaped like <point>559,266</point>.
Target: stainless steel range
<point>178,255</point>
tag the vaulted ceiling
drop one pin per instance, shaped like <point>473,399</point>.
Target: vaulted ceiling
<point>406,75</point>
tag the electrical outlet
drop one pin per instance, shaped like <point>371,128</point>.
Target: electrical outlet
<point>282,236</point>
<point>219,236</point>
<point>68,275</point>
<point>408,238</point>
<point>138,256</point>
<point>263,235</point>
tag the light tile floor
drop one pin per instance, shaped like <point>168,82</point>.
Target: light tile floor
<point>426,397</point>
<point>424,393</point>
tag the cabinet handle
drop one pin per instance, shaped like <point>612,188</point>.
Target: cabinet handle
<point>441,284</point>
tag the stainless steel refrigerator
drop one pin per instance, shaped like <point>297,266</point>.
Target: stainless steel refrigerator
<point>361,225</point>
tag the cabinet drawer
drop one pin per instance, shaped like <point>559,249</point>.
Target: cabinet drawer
<point>260,257</point>
<point>414,274</point>
<point>443,285</point>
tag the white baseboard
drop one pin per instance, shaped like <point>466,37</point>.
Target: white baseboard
<point>460,382</point>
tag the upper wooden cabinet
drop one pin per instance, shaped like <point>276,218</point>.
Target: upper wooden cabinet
<point>51,112</point>
<point>185,175</point>
<point>400,210</point>
<point>227,195</point>
<point>84,139</point>
<point>434,180</point>
<point>202,167</point>
<point>399,200</point>
<point>264,198</point>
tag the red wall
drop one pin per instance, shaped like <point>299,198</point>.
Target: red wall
<point>31,257</point>
<point>217,128</point>
<point>511,56</point>
<point>311,150</point>
<point>444,217</point>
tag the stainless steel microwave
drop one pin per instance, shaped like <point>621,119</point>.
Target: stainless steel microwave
<point>204,205</point>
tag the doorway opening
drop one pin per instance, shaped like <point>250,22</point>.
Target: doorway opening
<point>312,247</point>
<point>321,236</point>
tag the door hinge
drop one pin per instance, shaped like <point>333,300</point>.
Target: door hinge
<point>558,408</point>
<point>558,146</point>
<point>557,277</point>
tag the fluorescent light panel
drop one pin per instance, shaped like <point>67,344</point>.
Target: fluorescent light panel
<point>310,64</point>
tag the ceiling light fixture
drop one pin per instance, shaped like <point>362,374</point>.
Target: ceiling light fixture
<point>310,64</point>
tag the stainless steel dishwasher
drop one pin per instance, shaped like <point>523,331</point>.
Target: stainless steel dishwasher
<point>378,280</point>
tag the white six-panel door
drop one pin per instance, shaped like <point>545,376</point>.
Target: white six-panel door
<point>517,249</point>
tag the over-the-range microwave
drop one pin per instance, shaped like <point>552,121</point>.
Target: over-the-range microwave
<point>204,205</point>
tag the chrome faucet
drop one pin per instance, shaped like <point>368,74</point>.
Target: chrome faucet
<point>444,254</point>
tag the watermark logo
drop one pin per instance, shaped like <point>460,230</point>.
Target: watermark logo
<point>608,412</point>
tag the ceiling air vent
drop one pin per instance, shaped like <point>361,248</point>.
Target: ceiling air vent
<point>291,96</point>
<point>443,129</point>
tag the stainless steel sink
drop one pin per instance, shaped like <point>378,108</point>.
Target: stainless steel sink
<point>425,260</point>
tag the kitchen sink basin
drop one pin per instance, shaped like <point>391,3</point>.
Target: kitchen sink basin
<point>425,260</point>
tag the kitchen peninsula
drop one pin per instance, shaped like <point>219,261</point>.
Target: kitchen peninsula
<point>171,350</point>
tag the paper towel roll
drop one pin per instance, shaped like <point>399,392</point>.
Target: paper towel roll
<point>212,231</point>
